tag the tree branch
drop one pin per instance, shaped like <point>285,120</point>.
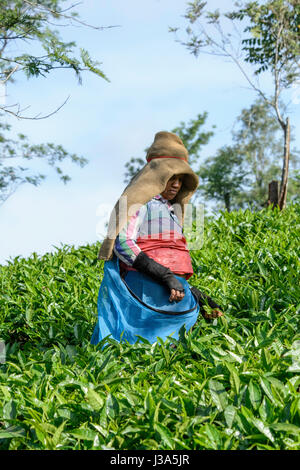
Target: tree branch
<point>72,18</point>
<point>232,56</point>
<point>10,193</point>
<point>36,118</point>
<point>9,75</point>
<point>4,45</point>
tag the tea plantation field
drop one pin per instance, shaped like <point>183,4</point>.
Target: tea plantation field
<point>231,384</point>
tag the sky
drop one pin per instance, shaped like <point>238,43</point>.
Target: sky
<point>155,83</point>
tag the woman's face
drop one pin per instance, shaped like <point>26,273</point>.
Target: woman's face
<point>173,186</point>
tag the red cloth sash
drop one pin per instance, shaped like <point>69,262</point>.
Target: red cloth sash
<point>170,250</point>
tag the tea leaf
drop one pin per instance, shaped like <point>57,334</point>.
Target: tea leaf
<point>218,394</point>
<point>164,434</point>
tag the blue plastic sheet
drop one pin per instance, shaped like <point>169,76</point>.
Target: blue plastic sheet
<point>123,317</point>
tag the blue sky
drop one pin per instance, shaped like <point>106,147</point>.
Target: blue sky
<point>155,83</point>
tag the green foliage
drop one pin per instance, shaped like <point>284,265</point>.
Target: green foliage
<point>12,176</point>
<point>133,166</point>
<point>256,140</point>
<point>274,40</point>
<point>270,38</point>
<point>223,176</point>
<point>238,176</point>
<point>30,21</point>
<point>24,22</point>
<point>193,136</point>
<point>230,384</point>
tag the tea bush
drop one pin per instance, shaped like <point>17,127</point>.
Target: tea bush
<point>230,384</point>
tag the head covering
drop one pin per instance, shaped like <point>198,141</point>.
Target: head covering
<point>166,157</point>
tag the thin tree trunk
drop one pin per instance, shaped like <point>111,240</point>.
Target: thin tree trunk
<point>285,168</point>
<point>227,201</point>
<point>273,194</point>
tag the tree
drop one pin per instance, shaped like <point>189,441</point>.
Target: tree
<point>133,166</point>
<point>29,22</point>
<point>239,175</point>
<point>256,140</point>
<point>222,177</point>
<point>192,136</point>
<point>269,42</point>
<point>11,177</point>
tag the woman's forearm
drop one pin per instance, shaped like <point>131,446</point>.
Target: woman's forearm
<point>147,265</point>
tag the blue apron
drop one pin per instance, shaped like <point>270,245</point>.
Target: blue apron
<point>138,305</point>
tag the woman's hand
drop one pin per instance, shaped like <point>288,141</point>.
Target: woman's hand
<point>160,273</point>
<point>176,295</point>
<point>215,313</point>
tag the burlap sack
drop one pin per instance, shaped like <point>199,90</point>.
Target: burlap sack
<point>166,157</point>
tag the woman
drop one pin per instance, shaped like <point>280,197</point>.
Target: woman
<point>145,290</point>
